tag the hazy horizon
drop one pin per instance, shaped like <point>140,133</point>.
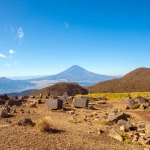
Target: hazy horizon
<point>38,76</point>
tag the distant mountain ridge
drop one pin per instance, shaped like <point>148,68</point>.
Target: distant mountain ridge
<point>23,93</point>
<point>137,80</point>
<point>77,74</point>
<point>13,85</point>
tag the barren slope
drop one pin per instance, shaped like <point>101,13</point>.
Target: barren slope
<point>137,80</point>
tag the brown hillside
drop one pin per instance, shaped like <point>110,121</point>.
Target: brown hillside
<point>137,80</point>
<point>60,88</point>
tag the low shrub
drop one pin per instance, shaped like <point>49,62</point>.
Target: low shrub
<point>45,124</point>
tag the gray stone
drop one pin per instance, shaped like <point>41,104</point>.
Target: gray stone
<point>133,104</point>
<point>25,122</point>
<point>65,95</point>
<point>124,123</point>
<point>141,100</point>
<point>5,112</point>
<point>15,102</point>
<point>70,99</point>
<point>2,102</point>
<point>141,125</point>
<point>121,122</point>
<point>80,102</point>
<point>20,98</point>
<point>114,134</point>
<point>54,104</point>
<point>103,117</point>
<point>33,104</point>
<point>64,99</point>
<point>14,97</point>
<point>4,97</point>
<point>115,118</point>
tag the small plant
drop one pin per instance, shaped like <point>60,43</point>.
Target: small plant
<point>71,121</point>
<point>126,138</point>
<point>45,124</point>
<point>103,122</point>
<point>79,120</point>
<point>127,141</point>
<point>137,143</point>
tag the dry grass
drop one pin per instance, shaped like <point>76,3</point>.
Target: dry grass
<point>103,122</point>
<point>45,124</point>
<point>118,96</point>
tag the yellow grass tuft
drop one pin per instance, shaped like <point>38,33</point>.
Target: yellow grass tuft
<point>103,122</point>
<point>45,124</point>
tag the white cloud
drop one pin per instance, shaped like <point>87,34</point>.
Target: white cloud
<point>20,33</point>
<point>12,29</point>
<point>8,65</point>
<point>11,51</point>
<point>16,62</point>
<point>66,25</point>
<point>3,56</point>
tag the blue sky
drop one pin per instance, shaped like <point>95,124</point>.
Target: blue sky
<point>45,37</point>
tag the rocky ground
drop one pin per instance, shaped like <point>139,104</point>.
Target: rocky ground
<point>75,128</point>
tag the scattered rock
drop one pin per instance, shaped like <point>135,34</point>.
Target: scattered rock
<point>114,134</point>
<point>32,104</point>
<point>115,118</point>
<point>122,128</point>
<point>25,122</point>
<point>71,112</point>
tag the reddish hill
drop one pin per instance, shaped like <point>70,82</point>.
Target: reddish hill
<point>60,88</point>
<point>137,80</point>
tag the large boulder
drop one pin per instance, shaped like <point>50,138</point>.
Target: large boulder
<point>80,102</point>
<point>14,102</point>
<point>54,104</point>
<point>4,97</point>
